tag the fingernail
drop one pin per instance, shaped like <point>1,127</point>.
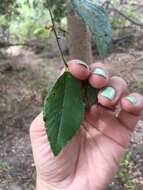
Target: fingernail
<point>109,92</point>
<point>99,71</point>
<point>132,100</point>
<point>82,63</point>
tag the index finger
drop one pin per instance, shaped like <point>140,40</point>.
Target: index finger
<point>79,69</point>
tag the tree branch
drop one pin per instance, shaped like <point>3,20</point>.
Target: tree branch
<point>126,17</point>
<point>116,40</point>
<point>6,44</point>
<point>57,38</point>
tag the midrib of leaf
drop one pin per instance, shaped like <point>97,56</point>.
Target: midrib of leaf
<point>62,110</point>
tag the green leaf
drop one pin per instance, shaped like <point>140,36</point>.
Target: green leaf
<point>39,30</point>
<point>89,94</point>
<point>63,112</point>
<point>96,18</point>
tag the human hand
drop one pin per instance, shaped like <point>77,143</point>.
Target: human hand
<point>92,158</point>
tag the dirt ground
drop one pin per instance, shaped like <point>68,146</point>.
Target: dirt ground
<point>25,77</point>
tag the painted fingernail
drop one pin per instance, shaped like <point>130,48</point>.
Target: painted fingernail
<point>132,100</point>
<point>82,63</point>
<point>99,71</point>
<point>109,92</point>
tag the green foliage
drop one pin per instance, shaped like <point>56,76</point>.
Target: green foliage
<point>97,20</point>
<point>3,21</point>
<point>26,20</point>
<point>124,167</point>
<point>6,6</point>
<point>63,112</point>
<point>58,7</point>
<point>4,165</point>
<point>89,94</point>
<point>129,10</point>
<point>43,32</point>
<point>124,175</point>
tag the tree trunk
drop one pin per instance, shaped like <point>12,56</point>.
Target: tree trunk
<point>79,41</point>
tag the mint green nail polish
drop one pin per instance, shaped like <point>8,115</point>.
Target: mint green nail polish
<point>109,92</point>
<point>99,71</point>
<point>132,99</point>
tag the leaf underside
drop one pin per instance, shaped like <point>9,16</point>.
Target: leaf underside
<point>63,112</point>
<point>96,18</point>
<point>91,94</point>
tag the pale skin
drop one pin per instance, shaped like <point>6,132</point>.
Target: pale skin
<point>91,159</point>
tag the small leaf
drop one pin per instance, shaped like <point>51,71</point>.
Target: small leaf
<point>38,31</point>
<point>96,18</point>
<point>63,112</point>
<point>89,94</point>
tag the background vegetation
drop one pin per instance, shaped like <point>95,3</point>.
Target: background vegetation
<point>26,19</point>
<point>29,63</point>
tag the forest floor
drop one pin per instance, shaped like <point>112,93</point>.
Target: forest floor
<point>25,76</point>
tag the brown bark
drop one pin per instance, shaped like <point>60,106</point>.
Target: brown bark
<point>79,40</point>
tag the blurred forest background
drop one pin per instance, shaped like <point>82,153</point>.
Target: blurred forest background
<point>30,62</point>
